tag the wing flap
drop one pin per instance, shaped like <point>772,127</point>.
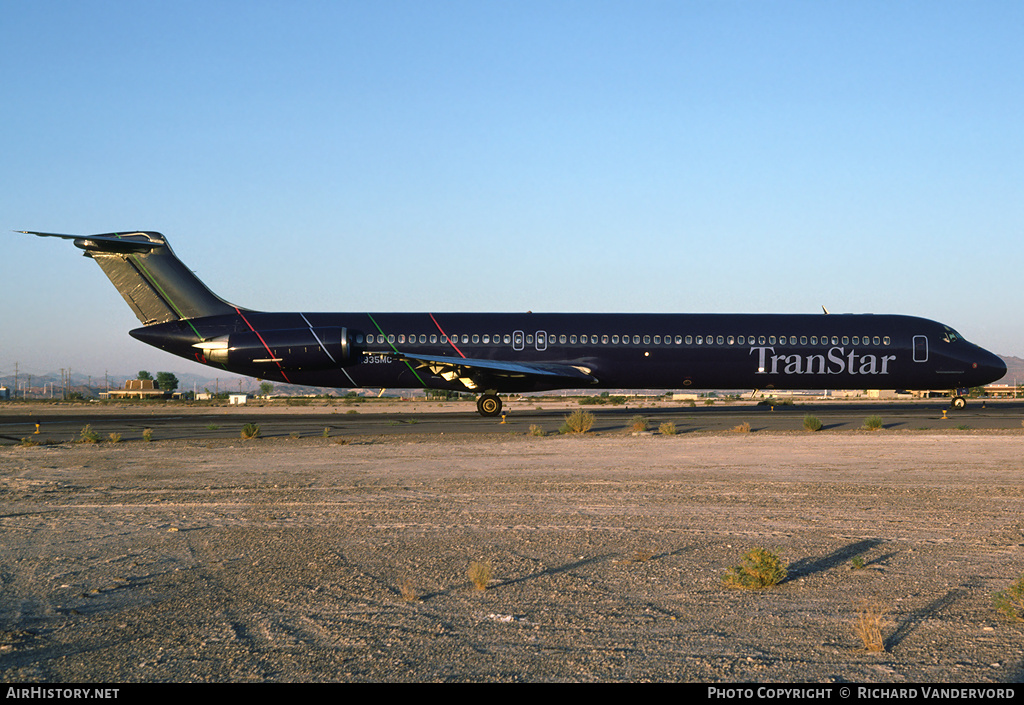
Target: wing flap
<point>469,370</point>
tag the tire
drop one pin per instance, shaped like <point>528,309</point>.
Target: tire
<point>489,405</point>
<point>958,402</point>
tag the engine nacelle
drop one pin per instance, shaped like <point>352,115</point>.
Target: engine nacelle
<point>289,349</point>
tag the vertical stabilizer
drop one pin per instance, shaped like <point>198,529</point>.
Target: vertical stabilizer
<point>155,283</point>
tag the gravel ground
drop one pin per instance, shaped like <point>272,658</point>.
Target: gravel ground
<point>321,560</point>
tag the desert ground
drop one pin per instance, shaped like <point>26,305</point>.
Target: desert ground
<point>347,559</point>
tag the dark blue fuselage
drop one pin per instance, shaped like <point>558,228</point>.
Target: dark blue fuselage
<point>622,350</point>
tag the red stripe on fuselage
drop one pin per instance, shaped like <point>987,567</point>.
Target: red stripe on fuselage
<point>450,342</point>
<point>269,351</point>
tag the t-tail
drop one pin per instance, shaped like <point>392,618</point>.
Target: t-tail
<point>154,282</point>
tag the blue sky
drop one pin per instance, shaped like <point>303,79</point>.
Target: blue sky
<point>506,156</point>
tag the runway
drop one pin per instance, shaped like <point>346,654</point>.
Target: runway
<point>170,422</point>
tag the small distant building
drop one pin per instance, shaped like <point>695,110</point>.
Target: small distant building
<point>1001,390</point>
<point>238,398</point>
<point>5,393</point>
<point>865,394</point>
<point>137,389</point>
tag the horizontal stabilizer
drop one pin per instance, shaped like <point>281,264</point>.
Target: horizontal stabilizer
<point>146,272</point>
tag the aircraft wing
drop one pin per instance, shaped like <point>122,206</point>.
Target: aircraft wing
<point>473,372</point>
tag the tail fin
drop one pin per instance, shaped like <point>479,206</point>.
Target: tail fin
<point>153,281</point>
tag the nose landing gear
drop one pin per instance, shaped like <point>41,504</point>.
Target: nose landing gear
<point>958,398</point>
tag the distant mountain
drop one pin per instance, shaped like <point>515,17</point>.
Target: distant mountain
<point>1014,370</point>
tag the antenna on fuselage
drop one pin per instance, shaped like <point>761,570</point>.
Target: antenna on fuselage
<point>824,309</point>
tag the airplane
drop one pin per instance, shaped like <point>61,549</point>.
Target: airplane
<point>499,353</point>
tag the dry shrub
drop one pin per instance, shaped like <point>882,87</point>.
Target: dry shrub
<point>479,574</point>
<point>761,569</point>
<point>1010,601</point>
<point>639,557</point>
<point>868,625</point>
<point>667,429</point>
<point>742,428</point>
<point>578,422</point>
<point>407,589</point>
<point>87,435</point>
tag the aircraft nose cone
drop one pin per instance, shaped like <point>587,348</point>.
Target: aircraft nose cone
<point>990,367</point>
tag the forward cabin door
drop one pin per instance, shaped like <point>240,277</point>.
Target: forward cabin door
<point>920,348</point>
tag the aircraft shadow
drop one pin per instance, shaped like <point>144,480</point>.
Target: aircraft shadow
<point>809,566</point>
<point>913,620</point>
<point>548,572</point>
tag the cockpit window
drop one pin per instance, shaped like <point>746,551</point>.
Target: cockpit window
<point>951,336</point>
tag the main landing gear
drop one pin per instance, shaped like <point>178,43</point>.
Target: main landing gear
<point>489,405</point>
<point>958,398</point>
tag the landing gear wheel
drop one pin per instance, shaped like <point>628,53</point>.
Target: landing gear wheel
<point>489,405</point>
<point>958,402</point>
